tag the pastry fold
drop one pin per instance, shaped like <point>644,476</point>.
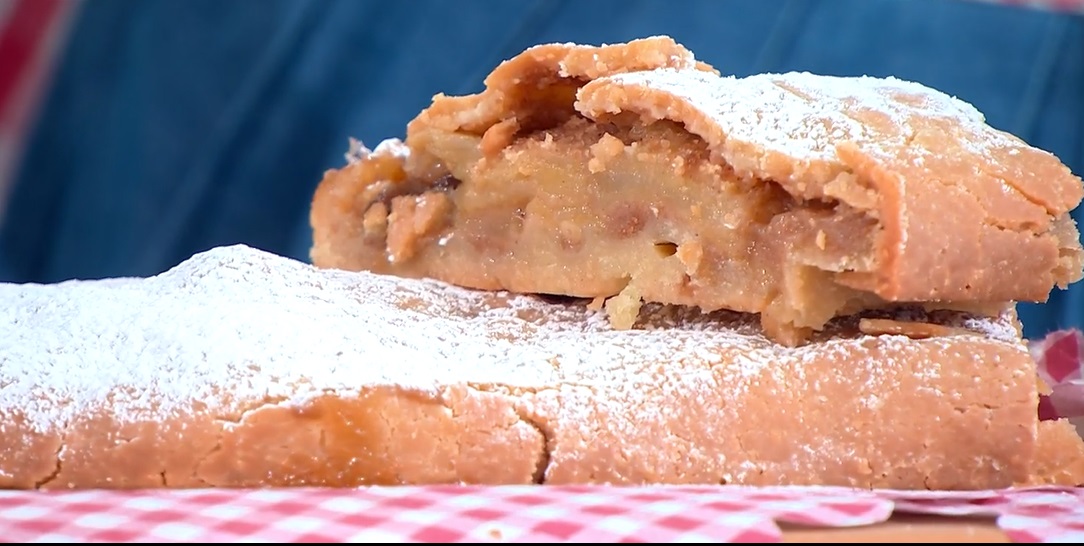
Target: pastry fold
<point>633,173</point>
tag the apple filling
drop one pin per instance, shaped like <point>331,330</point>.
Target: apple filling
<point>614,212</point>
<point>632,173</point>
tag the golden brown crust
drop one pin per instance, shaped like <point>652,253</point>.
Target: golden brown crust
<point>1059,456</point>
<point>384,436</point>
<point>537,87</point>
<point>274,373</point>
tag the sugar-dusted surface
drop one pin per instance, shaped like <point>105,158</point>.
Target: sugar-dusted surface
<point>925,165</point>
<point>389,147</point>
<point>235,337</point>
<point>260,326</point>
<point>903,124</point>
<point>799,113</point>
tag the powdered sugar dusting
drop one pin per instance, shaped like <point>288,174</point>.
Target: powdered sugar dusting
<point>391,147</point>
<point>237,325</point>
<point>805,116</point>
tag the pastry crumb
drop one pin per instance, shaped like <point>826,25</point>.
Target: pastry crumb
<point>412,218</point>
<point>913,330</point>
<point>607,148</point>
<point>624,308</point>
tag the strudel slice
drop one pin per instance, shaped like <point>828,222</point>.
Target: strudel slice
<point>632,173</point>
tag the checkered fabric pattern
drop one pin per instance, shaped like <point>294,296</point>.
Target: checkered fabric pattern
<point>1060,359</point>
<point>1027,515</point>
<point>508,514</point>
<point>539,514</point>
<point>503,514</point>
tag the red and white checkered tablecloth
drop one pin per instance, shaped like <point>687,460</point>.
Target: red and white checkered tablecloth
<point>509,514</point>
<point>1060,360</point>
<point>542,513</point>
<point>497,514</point>
<point>545,513</point>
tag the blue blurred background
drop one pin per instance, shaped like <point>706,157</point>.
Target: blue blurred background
<point>168,127</point>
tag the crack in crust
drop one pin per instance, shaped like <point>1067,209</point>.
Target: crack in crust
<point>58,455</point>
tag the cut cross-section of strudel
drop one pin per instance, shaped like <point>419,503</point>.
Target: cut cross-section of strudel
<point>632,173</point>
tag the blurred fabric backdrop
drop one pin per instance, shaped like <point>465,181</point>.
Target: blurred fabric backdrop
<point>137,132</point>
